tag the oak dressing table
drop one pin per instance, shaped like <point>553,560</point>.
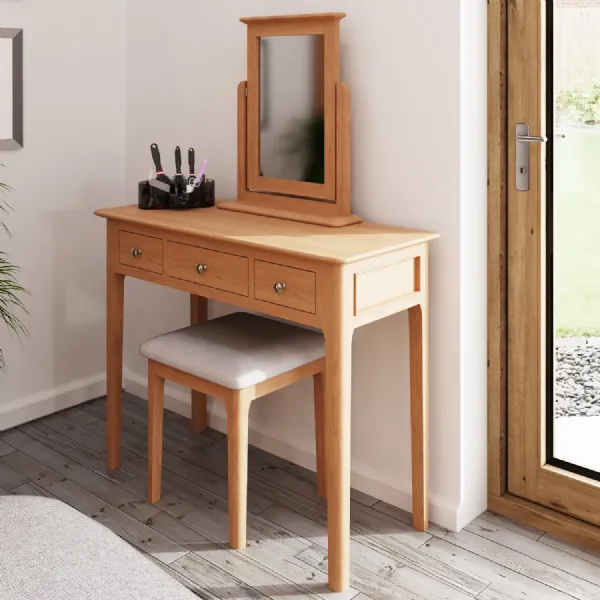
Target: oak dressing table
<point>275,259</point>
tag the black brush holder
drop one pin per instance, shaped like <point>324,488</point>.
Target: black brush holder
<point>150,197</point>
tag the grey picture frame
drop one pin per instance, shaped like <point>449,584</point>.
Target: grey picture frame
<point>17,88</point>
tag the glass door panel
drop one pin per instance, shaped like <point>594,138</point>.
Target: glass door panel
<point>573,236</point>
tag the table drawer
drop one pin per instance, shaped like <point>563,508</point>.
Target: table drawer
<point>385,284</point>
<point>287,286</point>
<point>219,270</point>
<point>141,251</point>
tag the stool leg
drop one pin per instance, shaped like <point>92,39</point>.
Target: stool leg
<point>237,462</point>
<point>156,399</point>
<point>319,386</point>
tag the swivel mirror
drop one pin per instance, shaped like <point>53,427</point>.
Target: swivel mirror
<point>294,122</point>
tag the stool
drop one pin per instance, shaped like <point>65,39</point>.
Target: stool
<point>238,358</point>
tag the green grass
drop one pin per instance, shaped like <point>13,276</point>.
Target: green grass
<point>577,234</point>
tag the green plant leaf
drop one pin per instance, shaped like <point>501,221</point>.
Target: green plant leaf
<point>11,292</point>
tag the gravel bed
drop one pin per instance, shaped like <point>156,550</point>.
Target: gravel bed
<point>577,379</point>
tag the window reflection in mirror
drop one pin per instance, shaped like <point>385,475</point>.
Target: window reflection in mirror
<point>292,133</point>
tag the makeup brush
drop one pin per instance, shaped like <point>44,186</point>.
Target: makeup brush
<point>160,174</point>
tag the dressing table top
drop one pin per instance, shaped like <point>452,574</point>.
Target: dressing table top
<point>338,245</point>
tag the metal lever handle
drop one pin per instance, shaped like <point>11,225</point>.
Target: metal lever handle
<point>530,139</point>
<point>522,151</point>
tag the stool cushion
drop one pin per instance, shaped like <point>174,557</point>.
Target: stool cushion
<point>236,351</point>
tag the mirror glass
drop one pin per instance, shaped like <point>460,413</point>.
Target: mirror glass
<point>6,88</point>
<point>292,132</point>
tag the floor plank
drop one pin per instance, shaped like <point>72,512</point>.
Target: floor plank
<point>64,424</point>
<point>74,450</point>
<point>32,489</point>
<point>270,581</point>
<point>170,416</point>
<point>9,478</point>
<point>261,463</point>
<point>169,501</point>
<point>209,480</point>
<point>520,563</point>
<point>505,584</point>
<point>75,472</point>
<point>172,571</point>
<point>268,550</point>
<point>543,553</point>
<point>175,429</point>
<point>132,424</point>
<point>526,530</point>
<point>122,524</point>
<point>212,582</point>
<point>186,533</point>
<point>393,581</point>
<point>365,553</point>
<point>573,550</point>
<point>74,416</point>
<point>5,448</point>
<point>211,517</point>
<point>311,476</point>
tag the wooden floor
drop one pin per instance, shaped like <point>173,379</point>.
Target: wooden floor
<point>186,533</point>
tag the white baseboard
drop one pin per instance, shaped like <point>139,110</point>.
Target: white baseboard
<point>443,511</point>
<point>471,509</point>
<point>47,402</point>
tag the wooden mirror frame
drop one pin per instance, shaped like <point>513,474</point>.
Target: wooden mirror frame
<point>322,204</point>
<point>16,140</point>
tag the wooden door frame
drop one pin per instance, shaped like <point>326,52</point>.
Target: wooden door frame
<point>499,500</point>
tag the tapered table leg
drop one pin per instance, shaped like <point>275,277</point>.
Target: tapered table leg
<point>115,297</point>
<point>338,377</point>
<point>419,405</point>
<point>198,314</point>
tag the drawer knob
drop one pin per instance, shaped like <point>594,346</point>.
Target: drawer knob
<point>279,287</point>
<point>135,252</point>
<point>201,269</point>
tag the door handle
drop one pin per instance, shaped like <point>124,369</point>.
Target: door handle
<point>522,140</point>
<point>531,138</point>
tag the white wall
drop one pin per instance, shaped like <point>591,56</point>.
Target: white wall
<point>73,161</point>
<point>417,75</point>
<point>473,239</point>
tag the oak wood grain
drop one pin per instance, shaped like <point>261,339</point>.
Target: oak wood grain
<point>198,314</point>
<point>497,244</point>
<point>227,272</point>
<point>340,245</point>
<point>299,291</point>
<point>150,249</point>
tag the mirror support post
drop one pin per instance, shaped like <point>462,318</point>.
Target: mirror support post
<point>242,133</point>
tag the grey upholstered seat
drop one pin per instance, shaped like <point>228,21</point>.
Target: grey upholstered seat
<point>236,351</point>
